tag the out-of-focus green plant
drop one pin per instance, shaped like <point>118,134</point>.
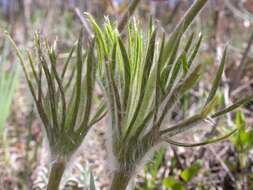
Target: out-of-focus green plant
<point>8,83</point>
<point>143,77</point>
<point>151,172</point>
<point>243,140</point>
<point>173,184</point>
<point>190,172</point>
<point>64,103</point>
<point>153,181</point>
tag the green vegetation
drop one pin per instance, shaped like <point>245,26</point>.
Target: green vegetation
<point>148,84</point>
<point>8,84</point>
<point>143,82</point>
<point>64,104</point>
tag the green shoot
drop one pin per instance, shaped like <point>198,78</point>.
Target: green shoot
<point>63,98</point>
<point>143,78</point>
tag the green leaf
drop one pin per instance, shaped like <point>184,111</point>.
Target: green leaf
<point>243,140</point>
<point>171,60</point>
<point>89,83</point>
<point>73,111</point>
<point>8,83</point>
<point>99,34</point>
<point>173,76</point>
<point>240,121</point>
<point>233,106</point>
<point>209,107</point>
<point>113,99</point>
<point>217,79</point>
<point>184,63</point>
<point>188,173</point>
<point>154,166</point>
<point>173,184</point>
<point>189,42</point>
<point>127,71</point>
<point>100,113</point>
<point>182,126</point>
<point>54,73</point>
<point>218,139</point>
<point>184,24</point>
<point>195,50</point>
<point>66,64</point>
<point>190,80</point>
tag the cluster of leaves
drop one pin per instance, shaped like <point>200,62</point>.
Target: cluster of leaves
<point>143,81</point>
<point>243,142</point>
<point>64,103</point>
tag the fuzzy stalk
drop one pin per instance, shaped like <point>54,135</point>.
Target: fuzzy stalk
<point>120,180</point>
<point>56,174</point>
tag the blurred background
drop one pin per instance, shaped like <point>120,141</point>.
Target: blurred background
<point>225,165</point>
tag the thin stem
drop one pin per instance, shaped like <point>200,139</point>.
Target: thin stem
<point>56,174</point>
<point>120,180</point>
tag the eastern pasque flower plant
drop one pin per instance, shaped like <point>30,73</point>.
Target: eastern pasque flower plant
<point>64,97</point>
<point>143,76</point>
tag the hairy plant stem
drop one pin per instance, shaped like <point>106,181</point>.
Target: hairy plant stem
<point>120,180</point>
<point>56,174</point>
